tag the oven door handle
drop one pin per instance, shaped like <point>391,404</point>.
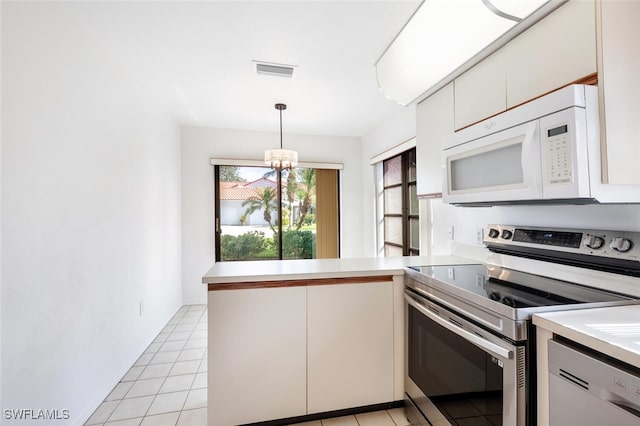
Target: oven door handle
<point>492,348</point>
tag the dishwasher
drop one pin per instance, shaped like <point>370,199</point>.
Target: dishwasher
<point>588,388</point>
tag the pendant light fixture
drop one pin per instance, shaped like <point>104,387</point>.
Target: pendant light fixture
<point>281,158</point>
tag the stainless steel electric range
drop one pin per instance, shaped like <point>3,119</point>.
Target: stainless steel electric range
<point>470,343</point>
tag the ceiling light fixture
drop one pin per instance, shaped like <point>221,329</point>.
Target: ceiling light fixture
<point>281,158</point>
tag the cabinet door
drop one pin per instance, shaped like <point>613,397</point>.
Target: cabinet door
<point>257,355</point>
<point>620,34</point>
<point>434,120</point>
<point>481,92</point>
<point>350,346</point>
<point>556,51</point>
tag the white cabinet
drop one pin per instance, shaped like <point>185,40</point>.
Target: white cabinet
<point>558,50</point>
<point>435,119</point>
<point>481,92</point>
<point>620,91</point>
<point>304,347</point>
<point>350,345</point>
<point>257,355</point>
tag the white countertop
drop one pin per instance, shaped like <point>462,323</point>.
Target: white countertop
<point>613,331</point>
<point>273,270</point>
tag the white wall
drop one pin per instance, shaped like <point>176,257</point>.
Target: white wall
<point>1,402</point>
<point>199,144</point>
<point>91,215</point>
<point>396,129</point>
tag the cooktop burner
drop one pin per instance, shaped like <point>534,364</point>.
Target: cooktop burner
<point>515,289</point>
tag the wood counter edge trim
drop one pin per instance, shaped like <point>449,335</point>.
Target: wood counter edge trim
<point>351,280</point>
<point>300,283</point>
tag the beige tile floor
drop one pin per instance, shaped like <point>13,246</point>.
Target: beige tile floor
<point>394,417</point>
<point>167,385</point>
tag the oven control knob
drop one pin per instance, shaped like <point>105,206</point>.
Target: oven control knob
<point>621,245</point>
<point>493,233</point>
<point>593,242</point>
<point>506,234</point>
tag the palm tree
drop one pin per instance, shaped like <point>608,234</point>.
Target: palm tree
<point>292,186</point>
<point>306,192</point>
<point>290,189</point>
<point>263,200</point>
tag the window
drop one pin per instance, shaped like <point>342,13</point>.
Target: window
<point>252,223</point>
<point>400,206</point>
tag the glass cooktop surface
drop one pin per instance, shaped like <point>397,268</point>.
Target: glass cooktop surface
<point>513,288</point>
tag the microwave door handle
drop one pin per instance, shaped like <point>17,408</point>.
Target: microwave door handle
<point>530,151</point>
<point>492,348</point>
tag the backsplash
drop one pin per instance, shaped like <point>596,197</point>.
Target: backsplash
<point>466,221</point>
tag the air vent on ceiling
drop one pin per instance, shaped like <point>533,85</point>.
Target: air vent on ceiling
<point>278,70</point>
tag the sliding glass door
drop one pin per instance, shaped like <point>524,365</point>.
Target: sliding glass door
<point>252,223</point>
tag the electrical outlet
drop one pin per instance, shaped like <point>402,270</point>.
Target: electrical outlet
<point>141,307</point>
<point>479,235</point>
<point>450,232</point>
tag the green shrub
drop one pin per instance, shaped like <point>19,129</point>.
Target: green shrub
<point>309,219</point>
<point>243,247</point>
<point>298,245</point>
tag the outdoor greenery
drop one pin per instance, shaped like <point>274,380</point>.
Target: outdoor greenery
<point>298,245</point>
<point>298,236</point>
<point>254,245</point>
<point>265,201</point>
<point>305,192</point>
<point>243,247</point>
<point>230,174</point>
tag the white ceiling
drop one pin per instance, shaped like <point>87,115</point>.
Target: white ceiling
<point>195,59</point>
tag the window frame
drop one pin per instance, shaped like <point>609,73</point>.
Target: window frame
<point>217,163</point>
<point>407,181</point>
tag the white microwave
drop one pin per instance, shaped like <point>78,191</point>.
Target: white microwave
<point>539,152</point>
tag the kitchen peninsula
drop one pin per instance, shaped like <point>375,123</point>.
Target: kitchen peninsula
<point>296,338</point>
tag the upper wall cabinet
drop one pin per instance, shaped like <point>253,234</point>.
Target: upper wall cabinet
<point>620,92</point>
<point>481,92</point>
<point>558,50</point>
<point>434,120</point>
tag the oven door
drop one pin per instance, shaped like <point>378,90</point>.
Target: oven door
<point>457,372</point>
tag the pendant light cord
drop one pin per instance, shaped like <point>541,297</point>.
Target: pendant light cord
<point>280,107</point>
<point>280,129</point>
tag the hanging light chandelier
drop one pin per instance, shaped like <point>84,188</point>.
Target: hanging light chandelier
<point>281,158</point>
